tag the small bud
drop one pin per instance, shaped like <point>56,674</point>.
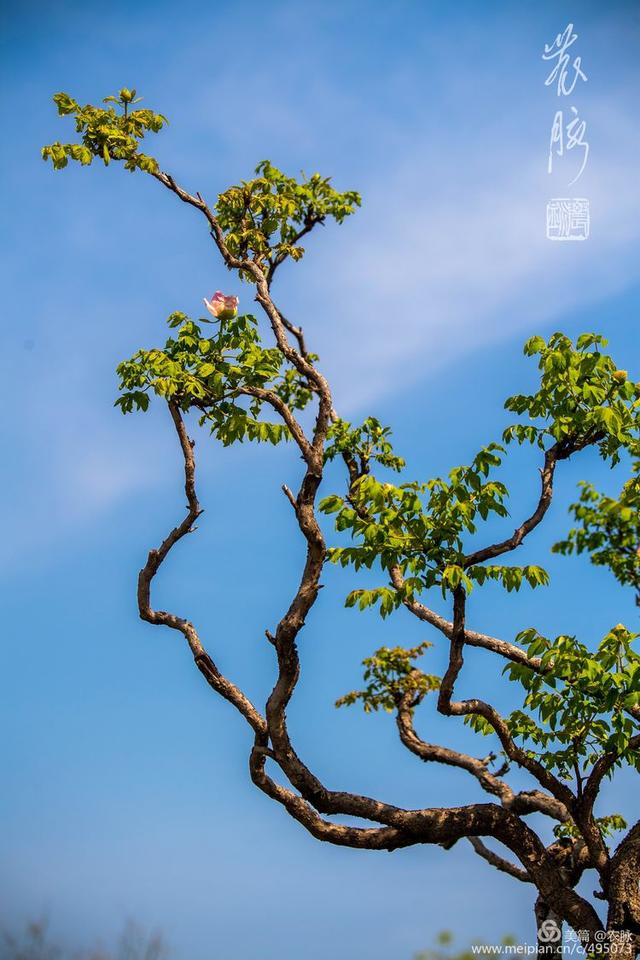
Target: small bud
<point>125,95</point>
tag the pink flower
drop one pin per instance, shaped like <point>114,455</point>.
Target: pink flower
<point>222,307</point>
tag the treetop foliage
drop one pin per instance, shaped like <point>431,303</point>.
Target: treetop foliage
<point>262,219</point>
<point>266,217</point>
<point>108,133</point>
<point>583,398</point>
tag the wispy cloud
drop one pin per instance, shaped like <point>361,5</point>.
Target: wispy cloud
<point>451,258</point>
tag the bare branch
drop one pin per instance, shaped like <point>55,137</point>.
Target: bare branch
<point>289,495</point>
<point>510,651</point>
<point>205,664</point>
<point>551,458</point>
<point>233,263</point>
<point>431,752</point>
<point>522,803</point>
<point>298,333</point>
<point>499,862</point>
<point>371,838</point>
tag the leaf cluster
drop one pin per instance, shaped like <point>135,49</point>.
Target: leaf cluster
<point>416,522</point>
<point>364,444</point>
<point>420,528</point>
<point>265,218</point>
<point>390,675</point>
<point>578,702</point>
<point>609,530</point>
<point>109,133</point>
<point>583,398</point>
<point>214,375</point>
<point>608,826</point>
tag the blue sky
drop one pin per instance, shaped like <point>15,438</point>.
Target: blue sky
<point>126,791</point>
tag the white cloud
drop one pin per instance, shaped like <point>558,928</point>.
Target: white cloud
<point>449,259</point>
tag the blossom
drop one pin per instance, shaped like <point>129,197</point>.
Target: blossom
<point>221,306</point>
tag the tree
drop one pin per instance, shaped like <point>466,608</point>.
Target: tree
<point>443,948</point>
<point>580,716</point>
<point>34,943</point>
